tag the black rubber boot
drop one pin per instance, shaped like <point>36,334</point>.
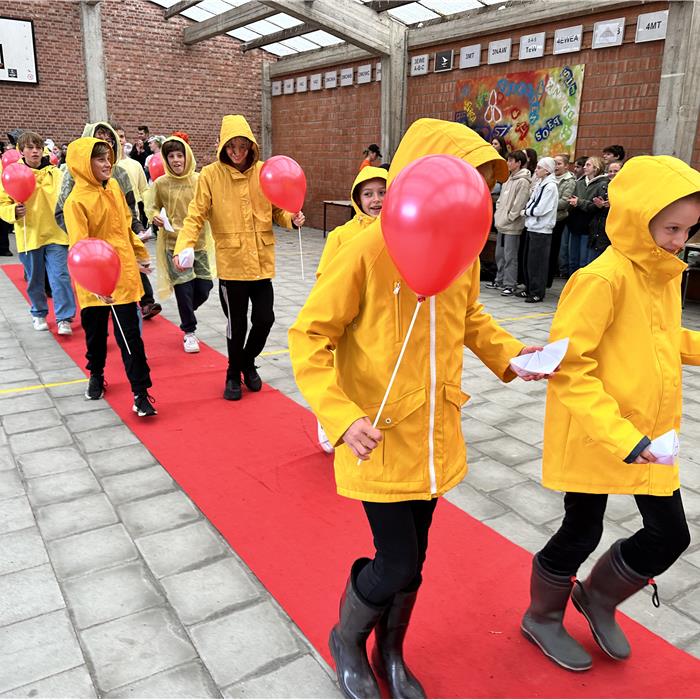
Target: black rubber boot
<point>387,656</point>
<point>610,582</point>
<point>348,640</point>
<point>542,622</point>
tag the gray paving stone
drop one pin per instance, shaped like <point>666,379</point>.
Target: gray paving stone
<point>28,593</point>
<point>692,647</point>
<point>3,437</point>
<point>243,643</point>
<point>32,420</point>
<point>69,405</point>
<point>188,681</point>
<point>518,531</point>
<point>81,422</point>
<point>532,502</point>
<point>56,461</point>
<point>488,475</point>
<point>287,682</point>
<point>475,430</point>
<point>678,579</point>
<point>201,593</point>
<point>508,450</point>
<point>106,595</point>
<point>531,469</point>
<point>10,484</point>
<point>505,396</point>
<point>119,460</point>
<point>488,412</point>
<point>61,487</point>
<point>91,551</point>
<point>174,550</point>
<point>75,683</point>
<point>38,648</point>
<point>664,621</point>
<point>693,558</point>
<point>19,378</point>
<point>688,603</point>
<point>162,512</point>
<point>7,461</point>
<point>474,502</point>
<point>21,549</point>
<point>138,484</point>
<point>135,647</point>
<point>70,518</point>
<point>15,514</point>
<point>524,429</point>
<point>620,507</point>
<point>24,402</point>
<point>74,389</point>
<point>102,439</point>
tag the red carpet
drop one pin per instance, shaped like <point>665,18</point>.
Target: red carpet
<point>253,468</point>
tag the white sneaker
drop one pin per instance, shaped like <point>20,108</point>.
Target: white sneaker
<point>40,323</point>
<point>323,440</point>
<point>64,328</point>
<point>191,343</point>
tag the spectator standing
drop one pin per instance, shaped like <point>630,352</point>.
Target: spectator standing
<point>566,184</point>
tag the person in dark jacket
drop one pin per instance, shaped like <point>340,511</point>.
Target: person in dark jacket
<point>598,238</point>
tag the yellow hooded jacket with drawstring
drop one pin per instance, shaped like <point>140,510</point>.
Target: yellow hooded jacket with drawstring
<point>621,378</point>
<point>358,223</point>
<point>240,215</point>
<point>361,308</point>
<point>97,210</point>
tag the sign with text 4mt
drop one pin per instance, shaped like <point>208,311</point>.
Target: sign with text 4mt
<point>535,109</point>
<point>651,26</point>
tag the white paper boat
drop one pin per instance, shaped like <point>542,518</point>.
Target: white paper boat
<point>543,361</point>
<point>665,448</point>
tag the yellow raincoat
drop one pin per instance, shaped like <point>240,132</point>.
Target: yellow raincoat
<point>99,210</point>
<point>361,308</point>
<point>240,215</point>
<point>41,227</point>
<point>358,223</point>
<point>621,378</point>
<point>137,177</point>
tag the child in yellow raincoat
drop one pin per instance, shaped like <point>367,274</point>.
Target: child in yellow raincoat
<point>619,386</point>
<point>174,192</point>
<point>96,208</point>
<point>343,346</point>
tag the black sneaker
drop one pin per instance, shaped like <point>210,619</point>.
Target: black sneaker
<point>232,391</point>
<point>143,405</point>
<point>252,379</point>
<point>96,387</point>
<point>148,311</point>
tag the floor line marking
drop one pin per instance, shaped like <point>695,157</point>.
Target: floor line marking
<point>34,387</point>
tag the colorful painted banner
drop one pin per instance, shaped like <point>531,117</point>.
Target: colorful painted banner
<point>535,109</point>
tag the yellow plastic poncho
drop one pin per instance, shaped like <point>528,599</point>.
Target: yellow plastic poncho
<point>621,378</point>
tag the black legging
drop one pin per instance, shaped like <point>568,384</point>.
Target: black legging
<point>650,551</point>
<point>400,533</point>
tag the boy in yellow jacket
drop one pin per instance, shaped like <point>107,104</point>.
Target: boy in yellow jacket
<point>343,346</point>
<point>96,208</point>
<point>42,245</point>
<point>229,196</point>
<point>619,386</point>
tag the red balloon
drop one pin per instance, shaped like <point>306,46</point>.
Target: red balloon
<point>94,265</point>
<point>19,181</point>
<point>156,167</point>
<point>11,156</point>
<point>283,182</point>
<point>435,220</point>
<point>54,159</point>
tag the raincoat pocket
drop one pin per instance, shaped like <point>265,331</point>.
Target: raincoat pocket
<point>455,398</point>
<point>268,237</point>
<point>228,240</point>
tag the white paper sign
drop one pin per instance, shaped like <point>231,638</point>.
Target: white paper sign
<point>302,84</point>
<point>186,257</point>
<point>419,64</point>
<point>331,79</point>
<point>276,88</point>
<point>568,40</point>
<point>665,448</point>
<point>346,75</point>
<point>543,361</point>
<point>651,26</point>
<point>470,56</point>
<point>364,74</point>
<point>289,86</point>
<point>378,72</point>
<point>610,32</point>
<point>315,81</point>
<point>499,51</point>
<point>166,221</point>
<point>532,45</point>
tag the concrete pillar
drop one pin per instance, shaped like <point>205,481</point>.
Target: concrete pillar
<point>266,113</point>
<point>93,54</point>
<point>679,97</point>
<point>394,87</point>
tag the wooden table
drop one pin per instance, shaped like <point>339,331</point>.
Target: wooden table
<point>335,203</point>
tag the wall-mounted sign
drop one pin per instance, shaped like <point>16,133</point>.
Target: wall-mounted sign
<point>346,75</point>
<point>443,60</point>
<point>532,45</point>
<point>315,81</point>
<point>470,56</point>
<point>364,74</point>
<point>302,84</point>
<point>499,51</point>
<point>651,26</point>
<point>289,86</point>
<point>419,64</point>
<point>331,79</point>
<point>568,40</point>
<point>17,51</point>
<point>378,72</point>
<point>276,88</point>
<point>609,32</point>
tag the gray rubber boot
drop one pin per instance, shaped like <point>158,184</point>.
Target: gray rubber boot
<point>348,640</point>
<point>387,656</point>
<point>610,582</point>
<point>542,622</point>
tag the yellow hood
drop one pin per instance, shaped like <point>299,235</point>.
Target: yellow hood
<point>436,137</point>
<point>234,125</point>
<point>78,160</point>
<point>190,162</point>
<point>89,130</point>
<point>367,173</point>
<point>637,194</point>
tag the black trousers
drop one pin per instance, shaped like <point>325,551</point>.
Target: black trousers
<point>234,296</point>
<point>536,262</point>
<point>554,252</point>
<point>650,551</point>
<point>400,533</point>
<point>190,296</point>
<point>5,231</point>
<point>147,297</point>
<point>94,320</point>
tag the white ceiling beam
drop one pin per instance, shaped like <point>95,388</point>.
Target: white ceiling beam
<point>234,18</point>
<point>318,58</point>
<point>179,7</point>
<point>283,35</point>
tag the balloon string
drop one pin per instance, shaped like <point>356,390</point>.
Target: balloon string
<point>396,366</point>
<point>116,318</point>
<point>301,256</point>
